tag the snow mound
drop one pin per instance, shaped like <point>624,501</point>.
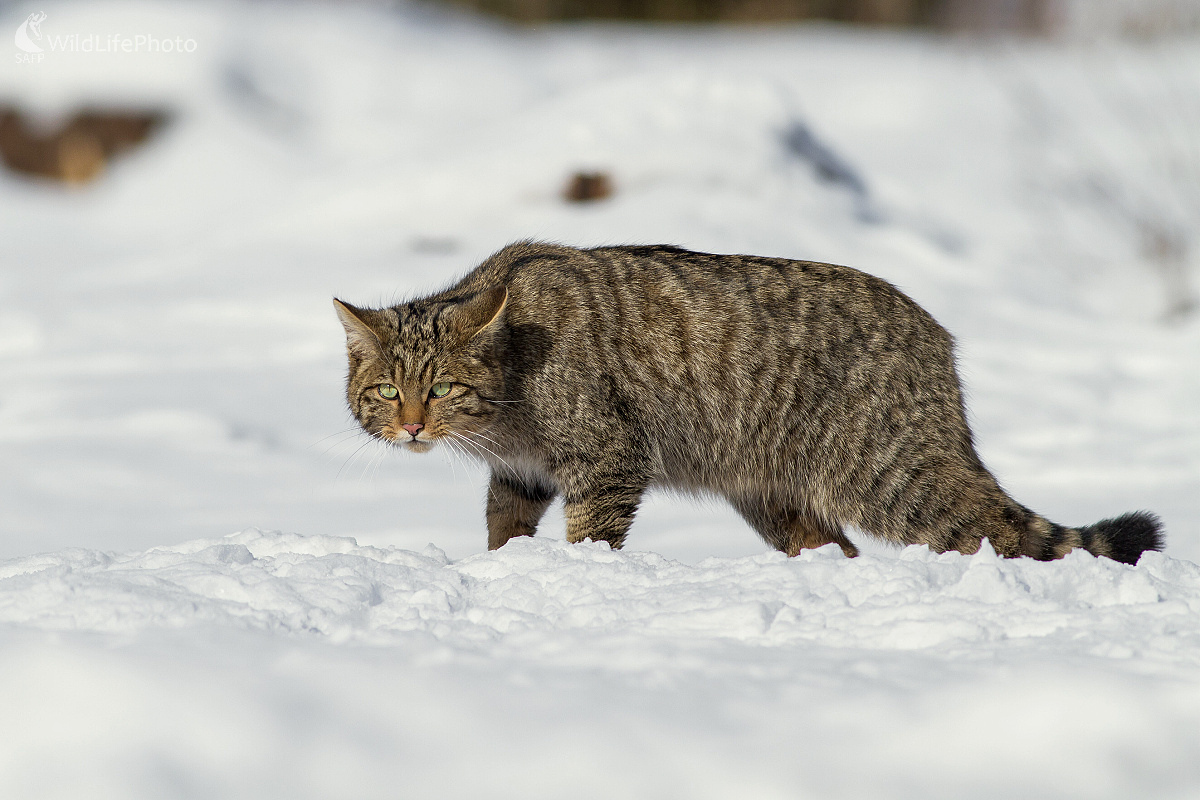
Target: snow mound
<point>275,665</point>
<point>538,590</point>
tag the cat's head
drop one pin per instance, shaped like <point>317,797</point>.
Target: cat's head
<point>426,371</point>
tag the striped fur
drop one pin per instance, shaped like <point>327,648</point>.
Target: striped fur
<point>811,396</point>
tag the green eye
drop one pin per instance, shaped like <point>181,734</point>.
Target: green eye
<point>388,391</point>
<point>440,389</point>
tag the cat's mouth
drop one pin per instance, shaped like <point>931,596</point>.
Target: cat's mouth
<point>409,441</point>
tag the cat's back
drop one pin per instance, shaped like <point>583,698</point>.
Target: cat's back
<point>667,290</point>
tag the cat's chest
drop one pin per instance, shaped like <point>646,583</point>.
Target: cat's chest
<point>528,466</point>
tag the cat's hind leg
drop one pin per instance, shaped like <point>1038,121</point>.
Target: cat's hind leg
<point>514,508</point>
<point>791,530</point>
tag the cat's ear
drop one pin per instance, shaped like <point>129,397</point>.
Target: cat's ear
<point>479,312</point>
<point>360,337</point>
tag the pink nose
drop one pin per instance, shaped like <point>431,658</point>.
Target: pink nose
<point>413,428</point>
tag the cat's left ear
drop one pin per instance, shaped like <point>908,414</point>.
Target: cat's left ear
<point>360,338</point>
<point>478,313</point>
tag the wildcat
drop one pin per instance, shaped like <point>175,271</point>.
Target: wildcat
<point>811,396</point>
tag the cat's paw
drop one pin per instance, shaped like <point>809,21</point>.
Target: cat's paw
<point>587,539</point>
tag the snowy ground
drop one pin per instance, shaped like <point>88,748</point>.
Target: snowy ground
<point>170,371</point>
<point>275,665</point>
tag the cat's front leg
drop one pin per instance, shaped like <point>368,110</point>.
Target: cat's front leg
<point>602,508</point>
<point>514,508</point>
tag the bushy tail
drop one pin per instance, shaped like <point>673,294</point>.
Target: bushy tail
<point>1122,538</point>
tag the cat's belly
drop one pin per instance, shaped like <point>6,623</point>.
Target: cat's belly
<point>702,470</point>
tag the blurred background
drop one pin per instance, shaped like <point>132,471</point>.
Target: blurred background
<point>185,185</point>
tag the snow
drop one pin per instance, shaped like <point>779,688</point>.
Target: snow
<point>280,665</point>
<point>171,368</point>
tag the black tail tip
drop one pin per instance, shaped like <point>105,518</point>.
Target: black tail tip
<point>1129,535</point>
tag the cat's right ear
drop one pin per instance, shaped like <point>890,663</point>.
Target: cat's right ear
<point>360,338</point>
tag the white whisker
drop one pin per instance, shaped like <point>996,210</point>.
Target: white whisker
<point>352,456</point>
<point>346,437</point>
<point>483,436</point>
<point>485,448</point>
<point>377,461</point>
<point>461,457</point>
<point>355,429</point>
